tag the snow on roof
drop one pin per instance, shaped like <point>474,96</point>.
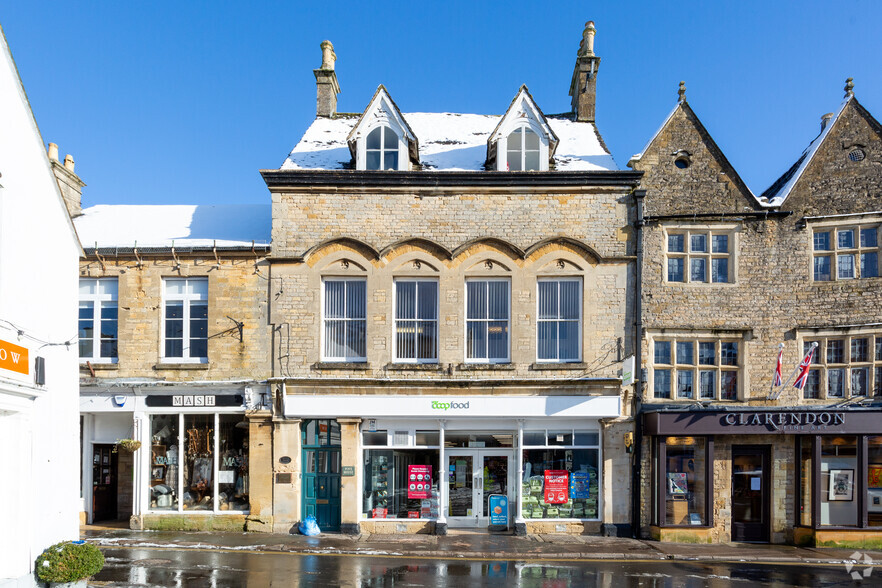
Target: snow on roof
<point>448,142</point>
<point>639,156</point>
<point>778,192</point>
<point>181,225</point>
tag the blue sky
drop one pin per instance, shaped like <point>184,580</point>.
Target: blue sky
<point>182,102</point>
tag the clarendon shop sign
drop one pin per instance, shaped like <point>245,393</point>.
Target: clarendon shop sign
<point>715,422</point>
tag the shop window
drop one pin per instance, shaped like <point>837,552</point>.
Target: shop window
<point>684,481</point>
<point>478,440</point>
<point>164,463</point>
<point>689,369</point>
<point>232,472</point>
<point>805,481</point>
<point>416,321</point>
<point>487,321</point>
<point>345,320</point>
<point>846,253</point>
<point>378,438</point>
<point>874,481</point>
<point>839,469</point>
<point>198,461</point>
<point>700,256</point>
<point>559,320</point>
<point>98,331</point>
<point>400,484</point>
<point>845,367</point>
<point>569,461</point>
<point>185,323</point>
<point>320,432</point>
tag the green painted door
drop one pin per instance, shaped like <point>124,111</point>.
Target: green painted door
<point>321,473</point>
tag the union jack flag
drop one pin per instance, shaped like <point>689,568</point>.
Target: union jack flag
<point>778,368</point>
<point>803,368</point>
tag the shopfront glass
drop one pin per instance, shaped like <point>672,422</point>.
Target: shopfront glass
<point>805,481</point>
<point>400,481</point>
<point>561,474</point>
<point>838,478</point>
<point>164,462</point>
<point>685,489</point>
<point>874,481</point>
<point>232,475</point>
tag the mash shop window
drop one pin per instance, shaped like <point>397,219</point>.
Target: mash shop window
<point>561,475</point>
<point>186,319</point>
<point>345,320</point>
<point>98,319</point>
<point>400,481</point>
<point>487,321</point>
<point>683,484</point>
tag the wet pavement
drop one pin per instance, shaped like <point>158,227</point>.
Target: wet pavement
<point>201,567</point>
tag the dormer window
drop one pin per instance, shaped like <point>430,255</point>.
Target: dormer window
<point>523,150</point>
<point>381,149</point>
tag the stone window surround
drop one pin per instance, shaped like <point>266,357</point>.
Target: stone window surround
<point>466,320</point>
<point>177,362</point>
<point>581,303</point>
<point>730,229</point>
<point>328,362</point>
<point>96,301</point>
<point>395,281</point>
<point>695,336</point>
<point>833,227</point>
<point>820,364</point>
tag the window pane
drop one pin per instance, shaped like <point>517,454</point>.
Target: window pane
<point>836,351</point>
<point>676,243</point>
<point>840,474</point>
<point>729,385</point>
<point>387,487</point>
<point>476,293</point>
<point>164,456</point>
<point>476,340</point>
<point>822,241</point>
<point>698,243</point>
<point>860,349</point>
<point>108,288</point>
<point>707,353</point>
<point>390,138</point>
<point>87,286</point>
<point>233,463</point>
<point>199,464</point>
<point>580,464</point>
<point>845,239</point>
<point>531,140</point>
<point>405,342</point>
<point>174,310</point>
<point>531,161</point>
<point>860,381</point>
<point>586,438</point>
<point>569,340</point>
<point>869,237</point>
<point>836,382</point>
<point>427,304</point>
<point>374,438</point>
<point>198,348</point>
<point>569,299</point>
<point>497,340</point>
<point>373,138</point>
<point>822,269</point>
<point>879,348</point>
<point>662,383</point>
<point>547,340</point>
<point>684,384</point>
<point>534,437</point>
<point>390,160</point>
<point>684,352</point>
<point>845,266</point>
<point>813,385</point>
<point>334,338</point>
<point>698,269</point>
<point>663,352</point>
<point>548,299</point>
<point>878,383</point>
<point>174,287</point>
<point>729,353</point>
<point>707,384</point>
<point>372,160</point>
<point>197,288</point>
<point>427,340</point>
<point>720,270</point>
<point>720,243</point>
<point>675,269</point>
<point>498,300</point>
<point>86,347</point>
<point>870,265</point>
<point>427,438</point>
<point>514,160</point>
<point>355,299</point>
<point>686,492</point>
<point>405,300</point>
<point>355,339</point>
<point>334,297</point>
<point>174,348</point>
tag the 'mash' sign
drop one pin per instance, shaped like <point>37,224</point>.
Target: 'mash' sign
<point>785,421</point>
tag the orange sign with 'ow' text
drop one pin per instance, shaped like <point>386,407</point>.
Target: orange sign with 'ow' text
<point>13,357</point>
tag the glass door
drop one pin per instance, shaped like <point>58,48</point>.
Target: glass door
<point>750,493</point>
<point>473,477</point>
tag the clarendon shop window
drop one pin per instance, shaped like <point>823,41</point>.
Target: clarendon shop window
<point>561,474</point>
<point>682,485</point>
<point>400,474</point>
<point>700,256</point>
<point>845,253</point>
<point>844,367</point>
<point>416,321</point>
<point>345,320</point>
<point>98,330</point>
<point>523,146</point>
<point>381,149</point>
<point>559,320</point>
<point>487,320</point>
<point>199,462</point>
<point>185,323</point>
<point>696,369</point>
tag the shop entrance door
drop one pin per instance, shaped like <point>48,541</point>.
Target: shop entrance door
<point>103,483</point>
<point>473,476</point>
<point>751,493</point>
<point>321,487</point>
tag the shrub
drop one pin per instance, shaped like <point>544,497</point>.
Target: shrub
<point>69,562</point>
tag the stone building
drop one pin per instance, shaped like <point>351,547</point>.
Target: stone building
<point>174,352</point>
<point>450,297</point>
<point>727,280</point>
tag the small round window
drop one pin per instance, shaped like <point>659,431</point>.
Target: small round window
<point>681,162</point>
<point>857,154</point>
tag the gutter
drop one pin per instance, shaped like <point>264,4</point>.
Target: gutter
<point>639,196</point>
<point>720,215</point>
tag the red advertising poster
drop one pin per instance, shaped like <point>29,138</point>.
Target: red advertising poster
<point>380,513</point>
<point>557,486</point>
<point>419,481</point>
<point>413,514</point>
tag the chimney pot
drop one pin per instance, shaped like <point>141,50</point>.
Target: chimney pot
<point>588,38</point>
<point>327,86</point>
<point>825,119</point>
<point>69,162</point>
<point>53,151</point>
<point>328,55</point>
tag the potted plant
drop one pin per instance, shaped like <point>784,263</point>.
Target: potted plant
<point>69,563</point>
<point>130,445</point>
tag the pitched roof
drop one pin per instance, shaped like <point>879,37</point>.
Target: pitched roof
<point>775,195</point>
<point>147,226</point>
<point>450,142</point>
<point>382,102</point>
<point>522,105</point>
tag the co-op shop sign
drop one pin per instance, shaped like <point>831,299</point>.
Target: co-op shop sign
<point>436,405</point>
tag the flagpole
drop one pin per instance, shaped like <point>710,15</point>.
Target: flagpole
<point>775,394</point>
<point>777,359</point>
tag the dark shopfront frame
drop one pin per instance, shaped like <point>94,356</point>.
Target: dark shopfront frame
<point>808,425</point>
<point>660,470</point>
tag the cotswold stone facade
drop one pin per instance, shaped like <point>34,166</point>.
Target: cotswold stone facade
<point>773,291</point>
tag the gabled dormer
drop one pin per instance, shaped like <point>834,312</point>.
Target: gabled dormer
<point>382,139</point>
<point>523,140</point>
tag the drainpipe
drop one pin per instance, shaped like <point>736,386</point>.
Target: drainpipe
<point>636,488</point>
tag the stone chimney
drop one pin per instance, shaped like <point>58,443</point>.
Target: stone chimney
<point>583,87</point>
<point>326,82</point>
<point>69,182</point>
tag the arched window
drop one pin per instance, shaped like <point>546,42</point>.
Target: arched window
<point>381,149</point>
<point>523,150</point>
